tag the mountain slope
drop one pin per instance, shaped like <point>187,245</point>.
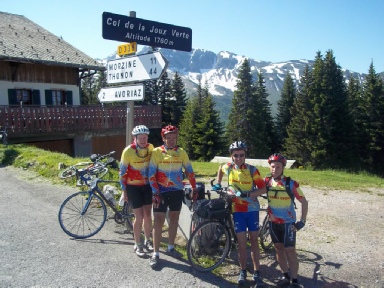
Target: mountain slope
<point>220,72</point>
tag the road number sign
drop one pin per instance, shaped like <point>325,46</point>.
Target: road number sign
<point>117,94</point>
<point>128,48</point>
<point>136,68</point>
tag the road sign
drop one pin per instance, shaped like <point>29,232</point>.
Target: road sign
<point>150,33</point>
<point>128,48</point>
<point>117,94</point>
<point>136,68</point>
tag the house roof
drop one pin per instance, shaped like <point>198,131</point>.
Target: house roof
<point>22,40</point>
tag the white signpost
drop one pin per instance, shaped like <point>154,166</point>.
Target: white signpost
<point>136,68</point>
<point>125,93</point>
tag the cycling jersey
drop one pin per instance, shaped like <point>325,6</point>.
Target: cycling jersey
<point>134,165</point>
<point>246,178</point>
<point>165,169</point>
<point>280,205</point>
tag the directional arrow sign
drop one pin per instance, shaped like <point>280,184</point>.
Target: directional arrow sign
<point>136,68</point>
<point>117,94</point>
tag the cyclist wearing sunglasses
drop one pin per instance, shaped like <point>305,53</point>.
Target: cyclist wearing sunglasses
<point>246,179</point>
<point>135,184</point>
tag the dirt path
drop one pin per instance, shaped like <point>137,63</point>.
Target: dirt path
<point>342,244</point>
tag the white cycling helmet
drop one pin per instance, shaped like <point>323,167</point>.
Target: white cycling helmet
<point>238,145</point>
<point>141,129</point>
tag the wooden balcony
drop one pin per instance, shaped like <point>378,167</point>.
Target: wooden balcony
<point>43,120</point>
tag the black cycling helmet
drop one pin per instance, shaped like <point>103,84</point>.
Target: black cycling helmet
<point>238,145</point>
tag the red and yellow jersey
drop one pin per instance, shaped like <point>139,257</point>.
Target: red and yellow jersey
<point>246,177</point>
<point>280,206</point>
<point>165,169</point>
<point>134,165</point>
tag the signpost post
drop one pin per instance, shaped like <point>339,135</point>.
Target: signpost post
<point>139,67</point>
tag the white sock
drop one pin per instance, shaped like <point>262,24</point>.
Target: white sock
<point>170,247</point>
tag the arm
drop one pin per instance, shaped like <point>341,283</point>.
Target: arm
<point>304,209</point>
<point>219,176</point>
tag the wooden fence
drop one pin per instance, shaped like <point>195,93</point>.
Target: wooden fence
<point>34,120</point>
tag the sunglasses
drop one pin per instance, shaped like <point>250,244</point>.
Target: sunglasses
<point>238,155</point>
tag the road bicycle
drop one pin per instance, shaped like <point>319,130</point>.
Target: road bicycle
<point>85,171</point>
<point>214,236</point>
<point>83,214</point>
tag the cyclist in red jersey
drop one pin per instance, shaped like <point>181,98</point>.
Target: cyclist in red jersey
<point>283,225</point>
<point>245,207</point>
<point>166,179</point>
<point>135,184</point>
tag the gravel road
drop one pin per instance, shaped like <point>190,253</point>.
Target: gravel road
<point>35,252</point>
<point>341,246</point>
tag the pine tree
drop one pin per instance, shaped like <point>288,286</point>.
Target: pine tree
<point>210,132</point>
<point>238,125</point>
<point>179,94</point>
<point>89,89</point>
<point>373,107</point>
<point>263,136</point>
<point>359,135</point>
<point>188,124</point>
<point>285,103</point>
<point>298,144</point>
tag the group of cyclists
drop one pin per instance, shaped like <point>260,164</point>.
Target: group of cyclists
<point>152,178</point>
<point>281,209</point>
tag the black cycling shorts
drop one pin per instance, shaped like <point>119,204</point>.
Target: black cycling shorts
<point>172,200</point>
<point>283,233</point>
<point>139,196</point>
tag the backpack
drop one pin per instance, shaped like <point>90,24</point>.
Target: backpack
<point>287,188</point>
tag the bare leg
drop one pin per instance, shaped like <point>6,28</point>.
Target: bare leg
<point>293,262</point>
<point>172,229</point>
<point>138,224</point>
<point>159,218</point>
<point>255,250</point>
<point>147,214</point>
<point>242,250</point>
<point>281,257</point>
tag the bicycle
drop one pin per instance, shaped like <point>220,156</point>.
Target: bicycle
<point>212,240</point>
<point>85,171</point>
<point>4,136</point>
<point>83,214</point>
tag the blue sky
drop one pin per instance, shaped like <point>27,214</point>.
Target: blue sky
<point>268,30</point>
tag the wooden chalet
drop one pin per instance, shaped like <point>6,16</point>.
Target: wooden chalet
<point>40,90</point>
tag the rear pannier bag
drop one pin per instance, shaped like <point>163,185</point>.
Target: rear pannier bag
<point>212,209</point>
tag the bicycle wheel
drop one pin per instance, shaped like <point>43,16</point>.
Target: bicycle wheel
<point>82,215</point>
<point>265,235</point>
<point>196,220</point>
<point>128,220</point>
<point>67,173</point>
<point>208,246</point>
<point>100,172</point>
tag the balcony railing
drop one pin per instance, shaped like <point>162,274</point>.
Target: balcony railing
<point>34,120</point>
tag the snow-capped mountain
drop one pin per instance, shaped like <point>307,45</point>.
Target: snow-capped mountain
<point>220,72</point>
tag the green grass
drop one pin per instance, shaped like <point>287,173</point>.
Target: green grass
<point>45,163</point>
